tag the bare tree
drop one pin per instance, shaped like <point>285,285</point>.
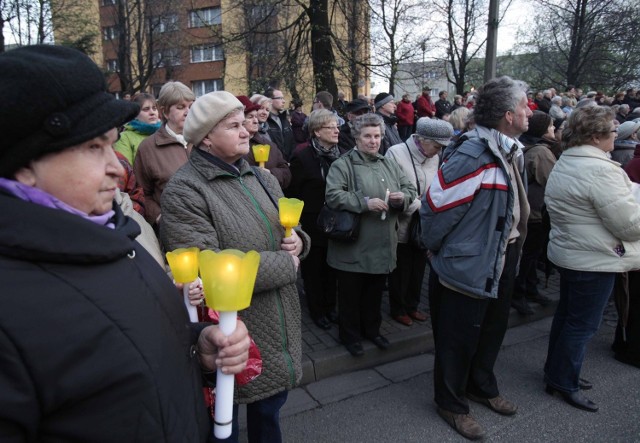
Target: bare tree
<point>584,43</point>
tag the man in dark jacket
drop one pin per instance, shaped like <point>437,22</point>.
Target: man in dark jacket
<point>280,129</point>
<point>353,109</point>
<point>443,106</point>
<point>386,108</point>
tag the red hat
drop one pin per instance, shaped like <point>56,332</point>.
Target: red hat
<point>248,106</point>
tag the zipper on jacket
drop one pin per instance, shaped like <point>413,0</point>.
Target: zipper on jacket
<point>283,329</point>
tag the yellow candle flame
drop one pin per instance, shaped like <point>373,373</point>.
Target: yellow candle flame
<point>228,278</point>
<point>184,264</point>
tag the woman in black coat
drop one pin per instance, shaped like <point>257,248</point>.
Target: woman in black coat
<point>95,343</point>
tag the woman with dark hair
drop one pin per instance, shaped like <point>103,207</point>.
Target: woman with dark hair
<point>309,167</point>
<point>365,182</point>
<point>95,341</point>
<point>218,201</point>
<point>595,233</point>
<point>146,123</point>
<point>538,162</point>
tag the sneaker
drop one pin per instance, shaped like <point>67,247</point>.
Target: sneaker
<point>497,404</point>
<point>464,424</point>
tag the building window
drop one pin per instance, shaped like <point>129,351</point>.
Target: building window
<point>202,87</point>
<point>112,65</point>
<point>109,32</point>
<point>204,17</point>
<point>209,53</point>
<point>166,57</point>
<point>168,23</point>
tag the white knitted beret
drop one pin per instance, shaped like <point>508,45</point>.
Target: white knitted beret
<point>206,112</point>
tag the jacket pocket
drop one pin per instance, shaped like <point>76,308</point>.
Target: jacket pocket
<point>469,249</point>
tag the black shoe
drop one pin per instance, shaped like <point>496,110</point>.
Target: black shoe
<point>333,317</point>
<point>540,299</point>
<point>575,399</point>
<point>355,349</point>
<point>380,342</point>
<point>624,358</point>
<point>521,306</point>
<point>585,385</point>
<point>323,323</point>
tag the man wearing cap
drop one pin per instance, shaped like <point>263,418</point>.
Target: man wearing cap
<point>626,142</point>
<point>386,108</point>
<point>418,158</point>
<point>424,105</point>
<point>353,109</point>
<point>474,221</point>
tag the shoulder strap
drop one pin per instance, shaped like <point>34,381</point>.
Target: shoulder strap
<point>353,171</point>
<point>256,172</point>
<point>414,168</point>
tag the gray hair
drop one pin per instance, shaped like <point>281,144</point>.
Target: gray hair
<point>625,106</point>
<point>319,118</point>
<point>366,121</point>
<point>495,98</point>
<point>260,99</point>
<point>584,123</point>
<point>557,99</point>
<point>459,118</point>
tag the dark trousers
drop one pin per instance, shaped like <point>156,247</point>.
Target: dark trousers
<point>627,343</point>
<point>319,282</point>
<point>527,279</point>
<point>470,334</point>
<point>583,297</point>
<point>405,132</point>
<point>405,282</point>
<point>359,300</point>
<point>263,420</point>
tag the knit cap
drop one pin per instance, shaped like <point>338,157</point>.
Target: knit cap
<point>206,112</point>
<point>439,131</point>
<point>382,99</point>
<point>626,129</point>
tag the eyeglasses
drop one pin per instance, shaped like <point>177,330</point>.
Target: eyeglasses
<point>333,128</point>
<point>277,98</point>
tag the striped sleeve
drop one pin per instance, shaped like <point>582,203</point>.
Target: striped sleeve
<point>443,195</point>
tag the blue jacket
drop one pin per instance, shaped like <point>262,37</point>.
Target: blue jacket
<point>467,215</point>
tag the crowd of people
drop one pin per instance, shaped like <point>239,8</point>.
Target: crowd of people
<point>482,190</point>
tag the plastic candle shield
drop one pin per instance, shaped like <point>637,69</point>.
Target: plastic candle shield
<point>261,153</point>
<point>184,264</point>
<point>290,211</point>
<point>228,278</point>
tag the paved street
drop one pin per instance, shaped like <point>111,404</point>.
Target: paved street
<point>393,402</point>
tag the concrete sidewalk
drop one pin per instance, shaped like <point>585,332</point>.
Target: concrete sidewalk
<point>324,356</point>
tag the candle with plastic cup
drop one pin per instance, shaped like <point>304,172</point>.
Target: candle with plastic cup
<point>290,212</point>
<point>261,154</point>
<point>184,267</point>
<point>228,278</point>
<point>386,202</point>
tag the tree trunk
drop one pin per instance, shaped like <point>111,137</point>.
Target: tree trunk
<point>321,47</point>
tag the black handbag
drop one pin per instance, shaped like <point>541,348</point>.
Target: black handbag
<point>340,224</point>
<point>415,226</point>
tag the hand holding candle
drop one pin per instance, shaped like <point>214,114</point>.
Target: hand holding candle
<point>386,202</point>
<point>184,267</point>
<point>261,154</point>
<point>228,278</point>
<point>290,212</point>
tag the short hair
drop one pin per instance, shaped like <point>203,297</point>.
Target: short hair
<point>367,121</point>
<point>459,118</point>
<point>173,93</point>
<point>441,93</point>
<point>556,99</point>
<point>142,97</point>
<point>495,98</point>
<point>584,123</point>
<point>325,98</point>
<point>320,118</point>
<point>566,101</point>
<point>624,106</point>
<point>260,99</point>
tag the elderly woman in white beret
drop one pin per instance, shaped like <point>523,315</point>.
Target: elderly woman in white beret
<point>95,342</point>
<point>218,201</point>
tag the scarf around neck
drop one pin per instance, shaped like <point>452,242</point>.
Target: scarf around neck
<point>144,128</point>
<point>326,156</point>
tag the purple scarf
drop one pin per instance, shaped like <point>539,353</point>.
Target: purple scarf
<point>39,197</point>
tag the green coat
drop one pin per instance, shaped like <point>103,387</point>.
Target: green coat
<point>128,143</point>
<point>374,252</point>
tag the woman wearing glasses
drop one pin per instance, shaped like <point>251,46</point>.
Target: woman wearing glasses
<point>595,233</point>
<point>309,167</point>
